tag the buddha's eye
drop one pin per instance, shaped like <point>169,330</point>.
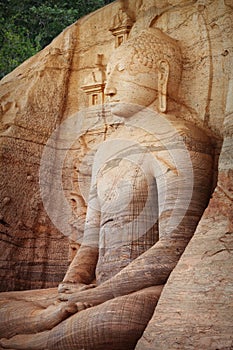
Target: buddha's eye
<point>120,67</point>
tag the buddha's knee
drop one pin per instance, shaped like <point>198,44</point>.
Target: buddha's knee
<point>114,325</point>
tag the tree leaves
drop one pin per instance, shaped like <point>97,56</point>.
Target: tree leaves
<point>27,26</point>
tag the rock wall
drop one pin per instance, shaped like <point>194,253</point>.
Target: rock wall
<point>33,98</point>
<point>195,309</point>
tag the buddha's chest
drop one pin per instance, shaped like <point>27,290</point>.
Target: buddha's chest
<point>121,184</point>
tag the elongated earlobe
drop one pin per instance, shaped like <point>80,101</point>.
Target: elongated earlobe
<point>163,73</point>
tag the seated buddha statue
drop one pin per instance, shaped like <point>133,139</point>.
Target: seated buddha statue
<point>151,181</point>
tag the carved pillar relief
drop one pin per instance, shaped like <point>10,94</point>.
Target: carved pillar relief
<point>121,26</point>
<point>94,83</point>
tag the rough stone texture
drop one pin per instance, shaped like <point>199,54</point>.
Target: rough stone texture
<point>33,252</point>
<point>35,98</point>
<point>48,87</point>
<point>195,308</point>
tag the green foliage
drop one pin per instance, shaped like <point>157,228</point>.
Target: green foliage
<point>27,26</point>
<point>16,47</point>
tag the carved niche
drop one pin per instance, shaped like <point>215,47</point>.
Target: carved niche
<point>95,82</point>
<point>121,26</point>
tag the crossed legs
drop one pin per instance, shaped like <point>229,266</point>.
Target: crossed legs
<point>116,324</point>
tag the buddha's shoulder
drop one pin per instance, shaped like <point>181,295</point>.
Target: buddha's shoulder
<point>189,130</point>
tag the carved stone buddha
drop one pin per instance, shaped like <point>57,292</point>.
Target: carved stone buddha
<point>151,182</point>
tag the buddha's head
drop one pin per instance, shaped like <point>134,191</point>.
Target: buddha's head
<point>143,71</point>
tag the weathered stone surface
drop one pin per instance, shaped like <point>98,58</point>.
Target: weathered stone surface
<point>194,310</point>
<point>35,98</point>
<point>33,251</point>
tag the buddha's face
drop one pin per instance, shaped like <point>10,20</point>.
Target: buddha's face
<point>129,88</point>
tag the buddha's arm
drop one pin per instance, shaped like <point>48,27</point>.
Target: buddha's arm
<point>82,268</point>
<point>155,265</point>
<point>149,269</point>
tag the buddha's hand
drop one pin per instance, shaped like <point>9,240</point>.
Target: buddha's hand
<point>63,309</point>
<point>73,303</point>
<point>84,297</point>
<point>91,296</point>
<point>79,306</point>
<point>69,287</point>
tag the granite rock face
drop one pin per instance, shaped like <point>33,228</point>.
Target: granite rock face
<point>195,310</point>
<point>33,251</point>
<point>40,232</point>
